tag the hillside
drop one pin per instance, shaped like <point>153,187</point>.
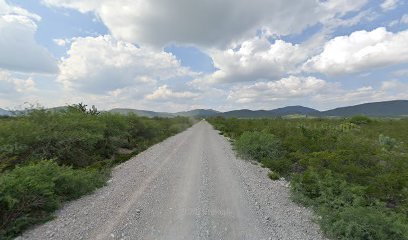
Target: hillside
<point>279,112</point>
<point>378,109</point>
<point>246,113</point>
<point>142,113</point>
<point>375,109</point>
<point>5,112</point>
<point>198,113</point>
<point>291,110</point>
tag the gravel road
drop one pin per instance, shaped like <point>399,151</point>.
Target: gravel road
<point>190,186</point>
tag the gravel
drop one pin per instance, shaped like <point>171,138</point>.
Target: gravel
<point>190,186</point>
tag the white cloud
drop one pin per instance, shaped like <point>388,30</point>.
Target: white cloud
<point>6,9</point>
<point>400,73</point>
<point>291,87</point>
<point>395,85</point>
<point>404,19</point>
<point>360,51</point>
<point>337,95</point>
<point>165,93</point>
<point>393,23</point>
<point>60,42</point>
<point>256,59</point>
<point>207,23</point>
<point>11,85</point>
<point>389,4</point>
<point>311,91</point>
<point>18,48</point>
<point>103,64</point>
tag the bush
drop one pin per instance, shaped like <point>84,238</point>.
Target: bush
<point>360,119</point>
<point>273,176</point>
<point>258,146</point>
<point>388,143</point>
<point>29,194</point>
<point>356,223</point>
<point>79,137</point>
<point>280,165</point>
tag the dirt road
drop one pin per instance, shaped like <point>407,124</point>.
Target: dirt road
<point>191,186</point>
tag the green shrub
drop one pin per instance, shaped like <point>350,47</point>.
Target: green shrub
<point>29,194</point>
<point>356,223</point>
<point>273,176</point>
<point>360,119</point>
<point>281,165</point>
<point>387,143</point>
<point>258,146</point>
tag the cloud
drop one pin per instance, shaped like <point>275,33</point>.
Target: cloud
<point>6,9</point>
<point>389,4</point>
<point>400,73</point>
<point>10,85</point>
<point>19,50</point>
<point>102,64</point>
<point>256,59</point>
<point>337,95</point>
<point>291,87</point>
<point>396,86</point>
<point>404,19</point>
<point>360,51</point>
<point>165,93</point>
<point>311,91</point>
<point>60,42</point>
<point>207,23</point>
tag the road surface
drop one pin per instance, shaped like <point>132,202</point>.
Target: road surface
<point>191,186</point>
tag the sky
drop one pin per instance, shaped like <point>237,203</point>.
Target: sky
<point>176,55</point>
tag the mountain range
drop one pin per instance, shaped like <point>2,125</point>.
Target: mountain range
<point>376,109</point>
<point>4,112</point>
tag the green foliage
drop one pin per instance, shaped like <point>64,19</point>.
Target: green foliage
<point>258,146</point>
<point>353,172</point>
<point>82,108</point>
<point>355,223</point>
<point>274,176</point>
<point>388,143</point>
<point>79,137</point>
<point>83,143</point>
<point>29,194</point>
<point>360,119</point>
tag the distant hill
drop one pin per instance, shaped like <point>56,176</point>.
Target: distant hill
<point>5,112</point>
<point>279,112</point>
<point>198,113</point>
<point>375,109</point>
<point>58,109</point>
<point>246,113</point>
<point>142,113</point>
<point>294,110</point>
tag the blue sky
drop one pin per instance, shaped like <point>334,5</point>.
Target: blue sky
<point>202,54</point>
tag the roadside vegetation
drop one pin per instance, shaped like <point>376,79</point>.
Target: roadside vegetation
<point>48,157</point>
<point>352,172</point>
